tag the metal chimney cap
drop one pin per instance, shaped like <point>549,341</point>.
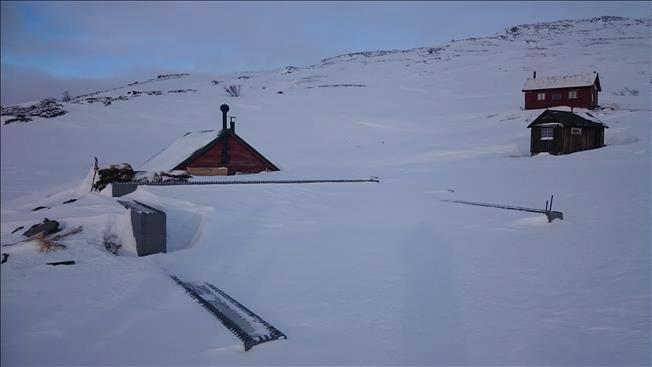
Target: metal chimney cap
<point>224,108</point>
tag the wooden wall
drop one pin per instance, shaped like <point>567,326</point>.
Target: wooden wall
<point>565,142</point>
<point>583,99</point>
<point>241,158</point>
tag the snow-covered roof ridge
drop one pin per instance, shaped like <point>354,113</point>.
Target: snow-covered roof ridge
<point>568,116</point>
<point>561,81</point>
<point>179,150</point>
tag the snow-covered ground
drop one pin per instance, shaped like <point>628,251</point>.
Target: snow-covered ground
<point>352,273</point>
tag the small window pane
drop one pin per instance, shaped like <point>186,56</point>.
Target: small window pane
<point>541,96</point>
<point>556,97</point>
<point>576,131</point>
<point>572,94</point>
<point>547,133</point>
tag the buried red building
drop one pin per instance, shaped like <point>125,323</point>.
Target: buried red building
<point>206,153</point>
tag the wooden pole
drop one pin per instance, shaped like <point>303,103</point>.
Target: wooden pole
<point>95,168</point>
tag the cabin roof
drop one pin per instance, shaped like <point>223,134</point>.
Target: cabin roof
<point>562,81</point>
<point>179,150</point>
<point>568,119</point>
<point>188,147</point>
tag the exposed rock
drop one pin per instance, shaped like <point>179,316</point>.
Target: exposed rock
<point>289,70</point>
<point>337,86</point>
<point>171,76</point>
<point>45,228</point>
<point>46,108</point>
<point>182,90</point>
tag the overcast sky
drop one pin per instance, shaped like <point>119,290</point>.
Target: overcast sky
<point>49,47</point>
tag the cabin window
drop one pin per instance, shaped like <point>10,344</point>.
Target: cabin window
<point>547,133</point>
<point>572,94</point>
<point>556,97</point>
<point>576,131</point>
<point>541,96</point>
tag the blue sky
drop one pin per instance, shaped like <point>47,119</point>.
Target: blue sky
<point>48,47</point>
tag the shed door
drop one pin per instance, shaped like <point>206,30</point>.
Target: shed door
<point>549,138</point>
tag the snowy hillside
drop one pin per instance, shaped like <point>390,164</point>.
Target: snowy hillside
<point>352,273</point>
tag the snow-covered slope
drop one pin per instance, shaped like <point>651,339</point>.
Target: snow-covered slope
<point>353,273</point>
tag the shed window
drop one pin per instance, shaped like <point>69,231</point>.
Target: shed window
<point>576,131</point>
<point>572,94</point>
<point>541,96</point>
<point>556,97</point>
<point>547,133</point>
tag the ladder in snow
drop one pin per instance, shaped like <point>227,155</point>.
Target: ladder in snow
<point>244,324</point>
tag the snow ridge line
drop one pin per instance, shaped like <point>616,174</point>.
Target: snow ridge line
<point>248,341</point>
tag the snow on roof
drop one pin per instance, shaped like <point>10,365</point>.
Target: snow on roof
<point>568,117</point>
<point>561,81</point>
<point>582,112</point>
<point>179,150</point>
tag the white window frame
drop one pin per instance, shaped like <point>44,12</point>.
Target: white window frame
<point>572,94</point>
<point>541,96</point>
<point>547,132</point>
<point>558,95</point>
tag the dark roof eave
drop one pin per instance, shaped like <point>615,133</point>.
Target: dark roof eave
<point>567,119</point>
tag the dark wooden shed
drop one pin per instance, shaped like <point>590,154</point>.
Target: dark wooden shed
<point>579,90</point>
<point>207,153</point>
<point>563,132</point>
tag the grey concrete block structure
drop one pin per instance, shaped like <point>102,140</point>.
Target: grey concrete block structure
<point>149,228</point>
<point>121,189</point>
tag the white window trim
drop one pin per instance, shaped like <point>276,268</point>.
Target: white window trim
<point>541,96</point>
<point>572,94</point>
<point>552,131</point>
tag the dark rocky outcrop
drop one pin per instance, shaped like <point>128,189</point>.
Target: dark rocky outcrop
<point>46,108</point>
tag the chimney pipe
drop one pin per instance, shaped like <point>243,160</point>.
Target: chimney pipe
<point>225,150</point>
<point>534,75</point>
<point>224,108</point>
<point>232,124</point>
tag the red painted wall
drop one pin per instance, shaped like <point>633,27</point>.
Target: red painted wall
<point>241,158</point>
<point>583,99</point>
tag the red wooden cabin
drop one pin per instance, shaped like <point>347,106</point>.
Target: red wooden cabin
<point>567,90</point>
<point>205,153</point>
